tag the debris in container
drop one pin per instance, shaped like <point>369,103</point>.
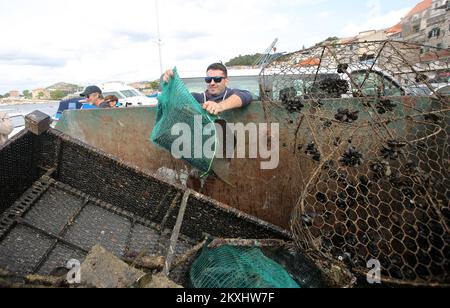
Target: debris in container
<point>352,158</point>
<point>157,281</point>
<point>393,150</point>
<point>313,151</point>
<point>389,153</point>
<point>385,105</point>
<point>321,197</point>
<point>337,275</point>
<point>144,262</point>
<point>433,118</point>
<point>346,116</point>
<point>421,78</point>
<point>216,243</point>
<point>307,220</point>
<point>327,123</point>
<point>102,269</point>
<point>333,87</point>
<point>342,68</point>
<point>294,104</point>
<point>396,144</point>
<point>378,169</point>
<point>10,280</point>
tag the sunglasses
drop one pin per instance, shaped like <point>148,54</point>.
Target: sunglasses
<point>216,79</point>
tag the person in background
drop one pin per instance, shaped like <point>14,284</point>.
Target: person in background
<point>112,100</point>
<point>94,98</point>
<point>218,97</point>
<point>6,127</point>
<point>68,104</point>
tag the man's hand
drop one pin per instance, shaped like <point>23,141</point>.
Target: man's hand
<point>213,108</point>
<point>167,76</point>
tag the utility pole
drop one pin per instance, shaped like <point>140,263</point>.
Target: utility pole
<point>159,37</point>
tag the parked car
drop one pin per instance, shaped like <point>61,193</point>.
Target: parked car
<point>325,83</point>
<point>424,90</point>
<point>444,90</point>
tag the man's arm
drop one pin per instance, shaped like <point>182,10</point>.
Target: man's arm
<point>238,99</point>
<point>233,102</point>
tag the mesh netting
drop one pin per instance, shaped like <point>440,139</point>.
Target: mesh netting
<point>177,108</point>
<point>377,119</point>
<point>238,267</point>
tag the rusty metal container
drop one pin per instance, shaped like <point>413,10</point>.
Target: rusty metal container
<point>59,197</point>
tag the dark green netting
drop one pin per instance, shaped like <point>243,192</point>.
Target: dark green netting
<point>238,267</point>
<point>177,106</point>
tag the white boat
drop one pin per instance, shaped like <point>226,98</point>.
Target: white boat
<point>128,96</point>
<point>18,121</point>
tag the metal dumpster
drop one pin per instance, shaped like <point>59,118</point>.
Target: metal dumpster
<point>60,197</point>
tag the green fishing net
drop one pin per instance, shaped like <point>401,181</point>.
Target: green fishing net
<point>238,267</point>
<point>179,125</point>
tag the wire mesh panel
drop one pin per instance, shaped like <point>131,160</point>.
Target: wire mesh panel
<point>17,172</point>
<point>377,120</point>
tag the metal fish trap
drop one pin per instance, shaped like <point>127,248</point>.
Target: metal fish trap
<point>377,120</point>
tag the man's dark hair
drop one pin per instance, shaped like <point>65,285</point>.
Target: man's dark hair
<point>218,67</point>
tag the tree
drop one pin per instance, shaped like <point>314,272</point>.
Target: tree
<point>41,95</point>
<point>246,60</point>
<point>331,40</point>
<point>154,85</point>
<point>57,95</point>
<point>27,94</point>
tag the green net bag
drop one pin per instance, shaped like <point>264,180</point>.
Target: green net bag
<point>177,108</point>
<point>238,267</point>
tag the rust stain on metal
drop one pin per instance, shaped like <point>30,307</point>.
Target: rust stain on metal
<point>267,194</point>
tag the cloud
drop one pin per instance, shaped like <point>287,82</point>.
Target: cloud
<point>194,55</point>
<point>324,14</point>
<point>185,35</point>
<point>87,41</point>
<point>28,59</point>
<point>135,36</point>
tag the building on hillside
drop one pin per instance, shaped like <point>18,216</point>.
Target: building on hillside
<point>14,94</point>
<point>365,36</point>
<point>414,24</point>
<point>40,94</point>
<point>395,33</point>
<point>428,23</point>
<point>139,85</point>
<point>364,52</point>
<point>65,88</point>
<point>438,25</point>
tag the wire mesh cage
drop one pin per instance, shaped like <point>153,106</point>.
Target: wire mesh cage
<point>377,120</point>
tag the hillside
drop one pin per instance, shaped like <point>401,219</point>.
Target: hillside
<point>65,87</point>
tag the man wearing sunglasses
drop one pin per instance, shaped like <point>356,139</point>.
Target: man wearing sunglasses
<point>218,97</point>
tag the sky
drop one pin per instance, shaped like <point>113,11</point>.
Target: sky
<point>94,41</point>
